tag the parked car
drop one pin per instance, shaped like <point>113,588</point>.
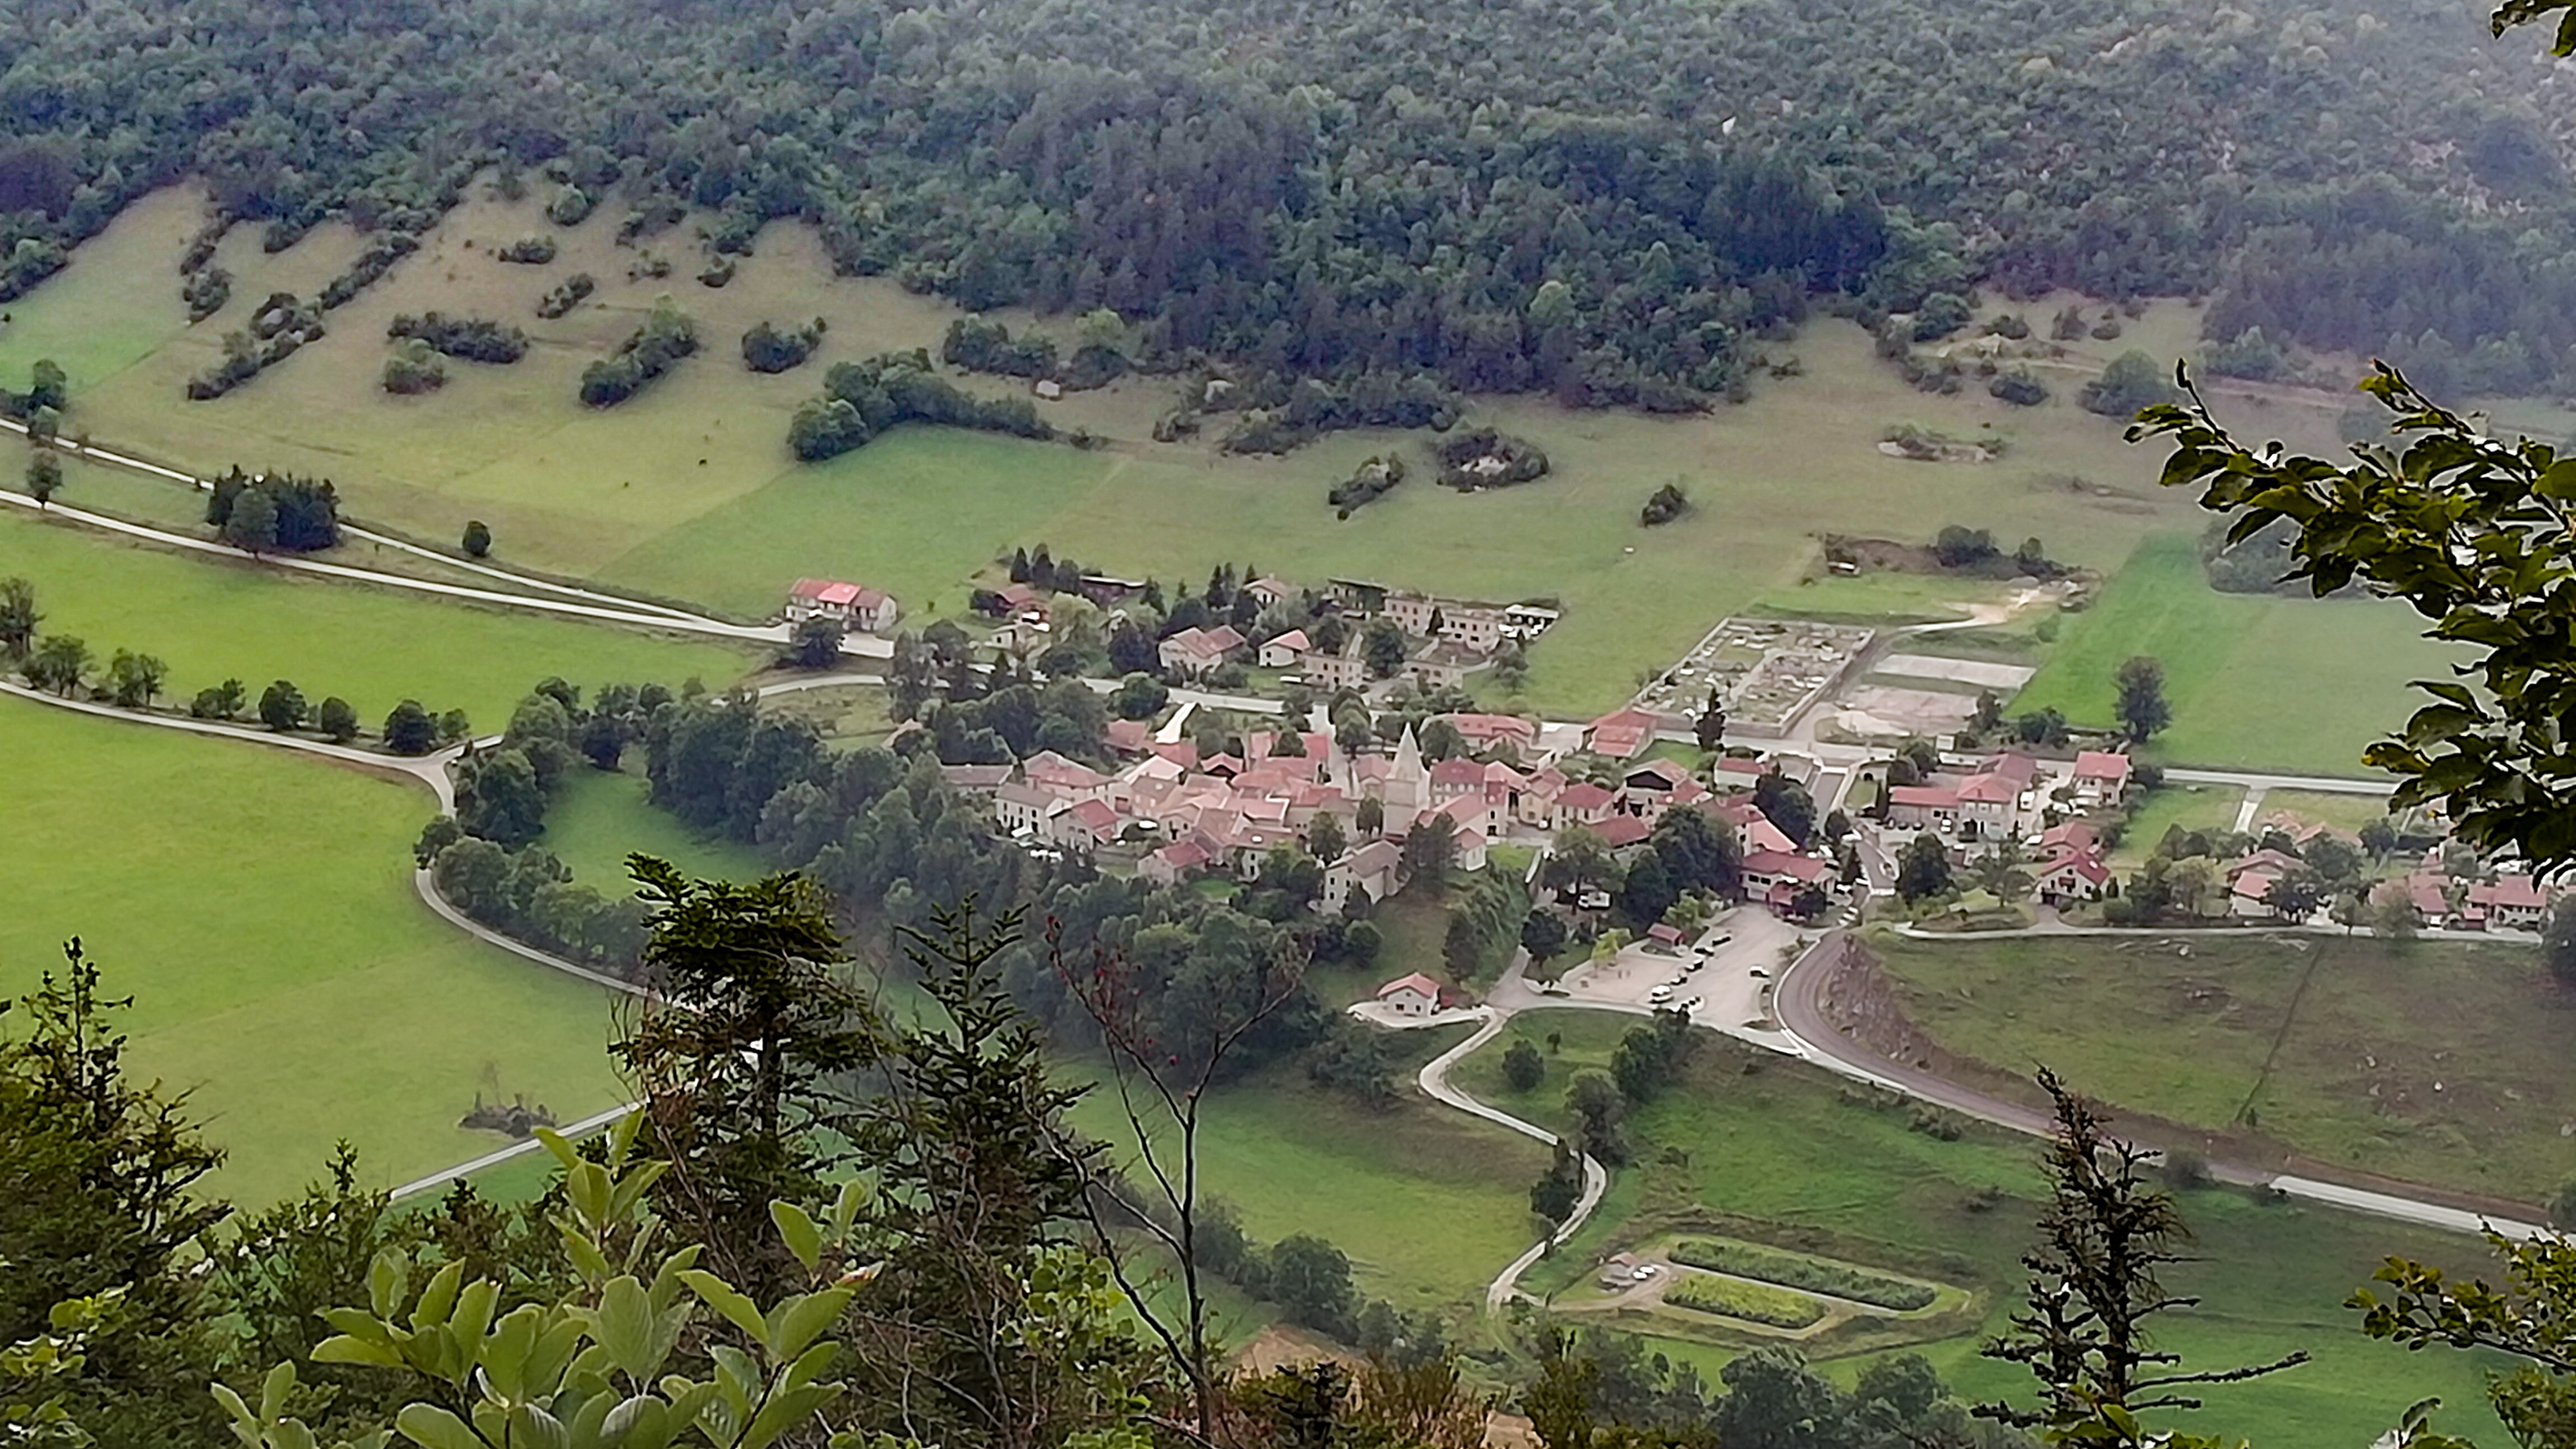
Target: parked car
<point>1660,993</point>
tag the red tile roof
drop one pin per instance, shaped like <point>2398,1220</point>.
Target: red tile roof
<point>1805,868</point>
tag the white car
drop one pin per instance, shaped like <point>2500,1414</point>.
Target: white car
<point>1660,993</point>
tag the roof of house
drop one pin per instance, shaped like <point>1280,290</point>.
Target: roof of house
<point>1094,816</point>
<point>2271,860</point>
<point>1129,736</point>
<point>1046,767</point>
<point>1938,797</point>
<point>1184,855</point>
<point>1225,636</point>
<point>1990,789</point>
<point>1016,596</point>
<point>1375,858</point>
<point>1621,831</point>
<point>2084,863</point>
<point>1018,792</point>
<point>1621,732</point>
<point>1797,867</point>
<point>975,777</point>
<point>1743,765</point>
<point>817,588</point>
<point>1416,983</point>
<point>2072,835</point>
<point>1657,774</point>
<point>2012,765</point>
<point>2101,765</point>
<point>1586,796</point>
<point>1761,834</point>
<point>1294,639</point>
<point>1669,935</point>
<point>1273,588</point>
<point>2513,892</point>
<point>1487,727</point>
<point>1460,772</point>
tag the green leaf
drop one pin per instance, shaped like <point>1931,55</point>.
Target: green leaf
<point>438,1299</point>
<point>387,1276</point>
<point>797,1230</point>
<point>624,1325</point>
<point>738,1310</point>
<point>343,1348</point>
<point>798,1321</point>
<point>434,1428</point>
<point>273,1391</point>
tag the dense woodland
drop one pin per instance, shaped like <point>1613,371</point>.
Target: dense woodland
<point>1605,201</point>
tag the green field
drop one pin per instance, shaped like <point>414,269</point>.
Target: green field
<point>2193,807</point>
<point>259,908</point>
<point>209,619</point>
<point>1428,1203</point>
<point>687,490</point>
<point>2318,807</point>
<point>2255,681</point>
<point>2433,1061</point>
<point>1830,1168</point>
<point>598,818</point>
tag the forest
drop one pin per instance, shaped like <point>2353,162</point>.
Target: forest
<point>1611,203</point>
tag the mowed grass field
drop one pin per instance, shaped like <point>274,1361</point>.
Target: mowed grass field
<point>598,818</point>
<point>2255,681</point>
<point>259,909</point>
<point>1763,1138</point>
<point>1428,1203</point>
<point>688,490</point>
<point>2431,1061</point>
<point>210,619</point>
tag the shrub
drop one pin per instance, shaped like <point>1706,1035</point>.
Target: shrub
<point>768,349</point>
<point>1374,480</point>
<point>1484,458</point>
<point>2019,388</point>
<point>1791,1271</point>
<point>1752,1302</point>
<point>414,369</point>
<point>530,251</point>
<point>1668,503</point>
<point>476,339</point>
<point>566,295</point>
<point>666,336</point>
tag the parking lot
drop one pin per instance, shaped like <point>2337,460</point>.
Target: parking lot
<point>1719,975</point>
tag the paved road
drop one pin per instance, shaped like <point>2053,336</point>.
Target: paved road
<point>1800,1003</point>
<point>429,771</point>
<point>1434,1081</point>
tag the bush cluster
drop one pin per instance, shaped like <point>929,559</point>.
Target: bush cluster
<point>666,336</point>
<point>1752,1302</point>
<point>476,339</point>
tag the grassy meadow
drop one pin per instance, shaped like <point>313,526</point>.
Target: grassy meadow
<point>259,909</point>
<point>598,818</point>
<point>2427,1061</point>
<point>210,619</point>
<point>2256,681</point>
<point>688,490</point>
<point>1802,1153</point>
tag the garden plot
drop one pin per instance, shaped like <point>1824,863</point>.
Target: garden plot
<point>1980,673</point>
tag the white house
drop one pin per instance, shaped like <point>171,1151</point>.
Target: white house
<point>1370,868</point>
<point>1282,650</point>
<point>852,606</point>
<point>1414,995</point>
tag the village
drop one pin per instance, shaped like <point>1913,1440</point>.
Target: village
<point>1816,825</point>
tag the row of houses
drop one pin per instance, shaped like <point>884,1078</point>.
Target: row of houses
<point>2006,796</point>
<point>2510,902</point>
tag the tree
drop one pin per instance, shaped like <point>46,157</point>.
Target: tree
<point>252,524</point>
<point>102,1201</point>
<point>18,618</point>
<point>2132,383</point>
<point>2558,941</point>
<point>737,1083</point>
<point>409,730</point>
<point>1324,838</point>
<point>1923,869</point>
<point>1382,648</point>
<point>454,728</point>
<point>133,679</point>
<point>2095,1284</point>
<point>336,719</point>
<point>2295,896</point>
<point>222,701</point>
<point>1543,936</point>
<point>1430,853</point>
<point>1709,727</point>
<point>1140,696</point>
<point>1523,1067</point>
<point>2469,530</point>
<point>1785,803</point>
<point>815,644</point>
<point>1556,1194</point>
<point>1597,1107</point>
<point>1647,892</point>
<point>44,476</point>
<point>1369,817</point>
<point>2393,916</point>
<point>2142,708</point>
<point>477,542</point>
<point>498,797</point>
<point>281,706</point>
<point>58,664</point>
<point>1311,1279</point>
